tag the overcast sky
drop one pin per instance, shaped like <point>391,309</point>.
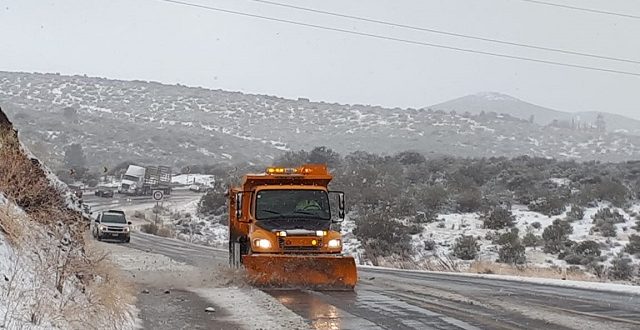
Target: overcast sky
<point>160,41</point>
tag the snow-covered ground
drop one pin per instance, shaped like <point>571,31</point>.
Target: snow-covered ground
<point>200,179</point>
<point>443,232</point>
<point>30,261</point>
<point>217,285</point>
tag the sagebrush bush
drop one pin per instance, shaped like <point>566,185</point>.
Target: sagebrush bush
<point>575,213</point>
<point>555,236</point>
<point>469,200</point>
<point>466,247</point>
<point>583,253</point>
<point>621,268</point>
<point>604,222</point>
<point>212,202</point>
<point>511,250</point>
<point>548,205</point>
<point>383,236</point>
<point>498,218</point>
<point>531,240</point>
<point>633,247</point>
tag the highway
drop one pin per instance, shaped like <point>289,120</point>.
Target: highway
<point>390,299</point>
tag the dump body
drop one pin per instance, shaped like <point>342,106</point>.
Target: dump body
<point>281,230</point>
<point>140,180</point>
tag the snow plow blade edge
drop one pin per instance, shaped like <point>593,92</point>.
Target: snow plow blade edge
<point>295,271</point>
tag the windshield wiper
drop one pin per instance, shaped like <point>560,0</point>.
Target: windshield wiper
<point>305,212</point>
<point>277,215</point>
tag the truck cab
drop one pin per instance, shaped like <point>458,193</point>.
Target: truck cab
<point>283,217</point>
<point>132,180</point>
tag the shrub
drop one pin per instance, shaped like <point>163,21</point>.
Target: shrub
<point>466,247</point>
<point>583,253</point>
<point>212,202</point>
<point>531,240</point>
<point>469,200</point>
<point>576,213</point>
<point>511,251</point>
<point>608,190</point>
<point>425,217</point>
<point>433,197</point>
<point>633,247</point>
<point>604,222</point>
<point>555,235</point>
<point>139,215</point>
<point>607,215</point>
<point>382,235</point>
<point>429,245</point>
<point>548,205</point>
<point>621,268</point>
<point>154,229</point>
<point>498,218</point>
<point>536,225</point>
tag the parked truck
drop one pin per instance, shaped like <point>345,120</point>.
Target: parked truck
<point>282,231</point>
<point>139,181</point>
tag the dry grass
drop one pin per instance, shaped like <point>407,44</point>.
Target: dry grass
<point>67,283</point>
<point>435,263</point>
<point>10,225</point>
<point>154,229</point>
<point>490,267</point>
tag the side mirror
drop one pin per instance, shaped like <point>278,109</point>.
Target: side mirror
<point>129,223</point>
<point>238,205</point>
<point>341,207</point>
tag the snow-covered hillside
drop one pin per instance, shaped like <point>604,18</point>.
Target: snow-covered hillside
<point>436,240</point>
<point>177,125</point>
<point>51,279</point>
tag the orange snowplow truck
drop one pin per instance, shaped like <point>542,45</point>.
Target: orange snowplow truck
<point>281,230</point>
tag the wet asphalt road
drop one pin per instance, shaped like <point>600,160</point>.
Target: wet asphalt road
<point>388,299</point>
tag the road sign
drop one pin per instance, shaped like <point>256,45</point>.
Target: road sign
<point>158,195</point>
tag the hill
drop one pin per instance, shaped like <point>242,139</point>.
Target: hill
<point>505,104</point>
<point>154,123</point>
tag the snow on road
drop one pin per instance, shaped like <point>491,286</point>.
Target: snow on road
<point>224,289</point>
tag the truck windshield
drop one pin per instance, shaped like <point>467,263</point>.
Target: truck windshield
<point>286,204</point>
<point>130,178</point>
<point>113,218</point>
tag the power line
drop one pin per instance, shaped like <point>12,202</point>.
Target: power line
<point>597,11</point>
<point>510,43</point>
<point>413,42</point>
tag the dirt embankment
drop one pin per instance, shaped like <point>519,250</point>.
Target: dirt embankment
<point>54,281</point>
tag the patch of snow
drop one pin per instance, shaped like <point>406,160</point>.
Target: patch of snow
<point>186,179</point>
<point>596,286</point>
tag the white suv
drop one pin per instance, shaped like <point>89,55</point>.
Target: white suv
<point>112,224</point>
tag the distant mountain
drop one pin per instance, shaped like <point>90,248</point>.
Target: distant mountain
<point>501,103</point>
<point>153,123</point>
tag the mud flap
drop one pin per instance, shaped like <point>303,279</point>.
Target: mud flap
<point>310,272</point>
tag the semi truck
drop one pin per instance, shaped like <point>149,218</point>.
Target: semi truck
<point>140,181</point>
<point>282,229</point>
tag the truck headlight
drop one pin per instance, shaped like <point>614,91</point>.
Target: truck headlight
<point>321,233</point>
<point>262,243</point>
<point>101,228</point>
<point>334,243</point>
<point>126,229</point>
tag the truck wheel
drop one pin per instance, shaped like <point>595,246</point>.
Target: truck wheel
<point>99,237</point>
<point>127,240</point>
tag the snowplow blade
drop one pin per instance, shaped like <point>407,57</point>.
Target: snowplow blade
<point>297,271</point>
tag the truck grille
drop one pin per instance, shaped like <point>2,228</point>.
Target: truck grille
<point>299,243</point>
<point>125,186</point>
<point>115,229</point>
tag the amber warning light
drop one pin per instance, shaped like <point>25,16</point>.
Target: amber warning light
<point>289,170</point>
